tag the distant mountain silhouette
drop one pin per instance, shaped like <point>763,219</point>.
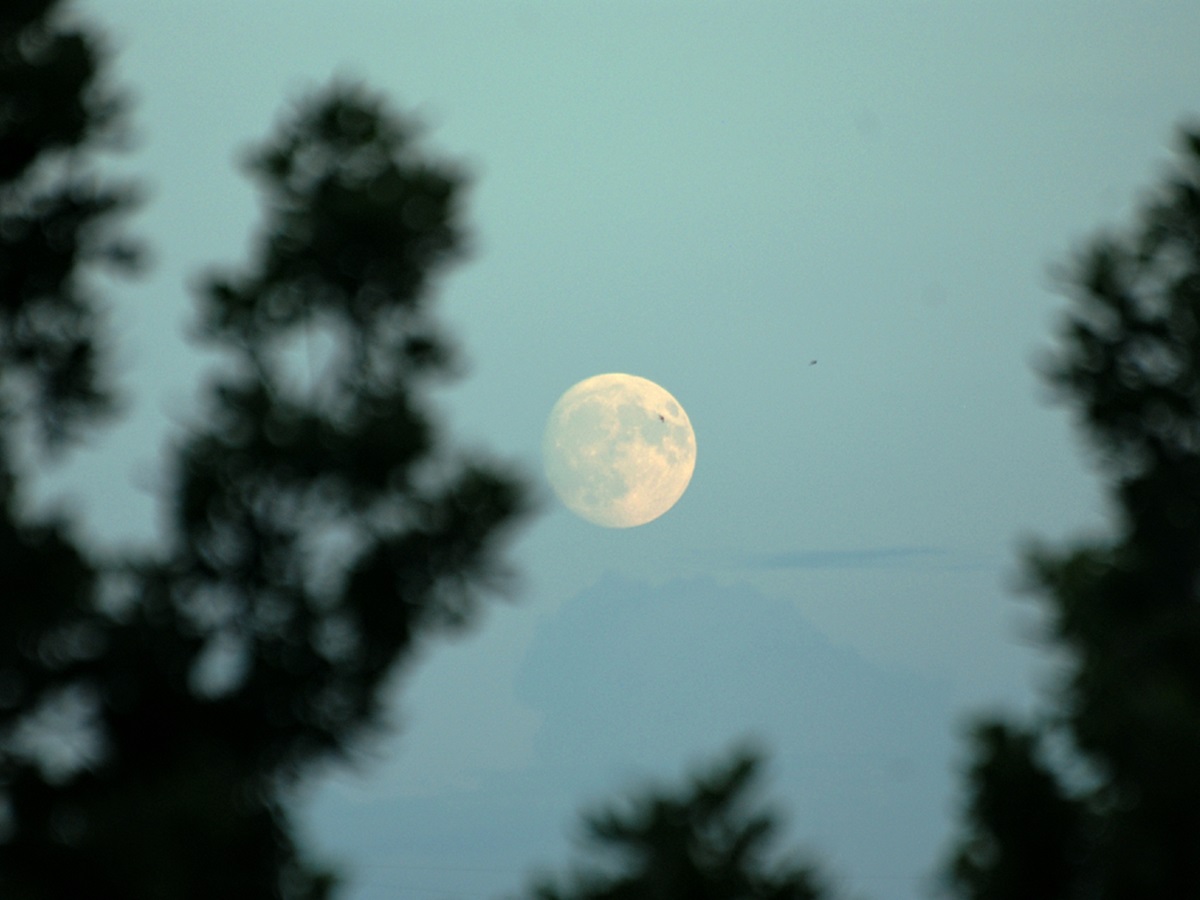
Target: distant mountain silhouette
<point>635,681</point>
<point>633,671</point>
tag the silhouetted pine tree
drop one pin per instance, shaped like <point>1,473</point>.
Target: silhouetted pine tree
<point>156,712</point>
<point>1126,825</point>
<point>706,840</point>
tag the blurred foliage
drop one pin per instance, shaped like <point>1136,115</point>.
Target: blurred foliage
<point>1103,799</point>
<point>156,713</point>
<point>706,840</point>
<point>56,220</point>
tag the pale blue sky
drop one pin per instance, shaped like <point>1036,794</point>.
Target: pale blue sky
<point>709,195</point>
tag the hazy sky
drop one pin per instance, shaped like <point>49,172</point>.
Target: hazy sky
<point>709,195</point>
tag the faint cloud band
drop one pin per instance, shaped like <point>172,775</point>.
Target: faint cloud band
<point>891,557</point>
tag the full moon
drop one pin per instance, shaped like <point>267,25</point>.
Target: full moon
<point>619,450</point>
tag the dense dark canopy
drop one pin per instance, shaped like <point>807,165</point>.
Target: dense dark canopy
<point>155,711</point>
<point>1122,820</point>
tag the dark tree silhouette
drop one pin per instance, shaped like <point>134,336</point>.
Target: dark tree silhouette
<point>156,712</point>
<point>707,840</point>
<point>1121,819</point>
<point>56,220</point>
